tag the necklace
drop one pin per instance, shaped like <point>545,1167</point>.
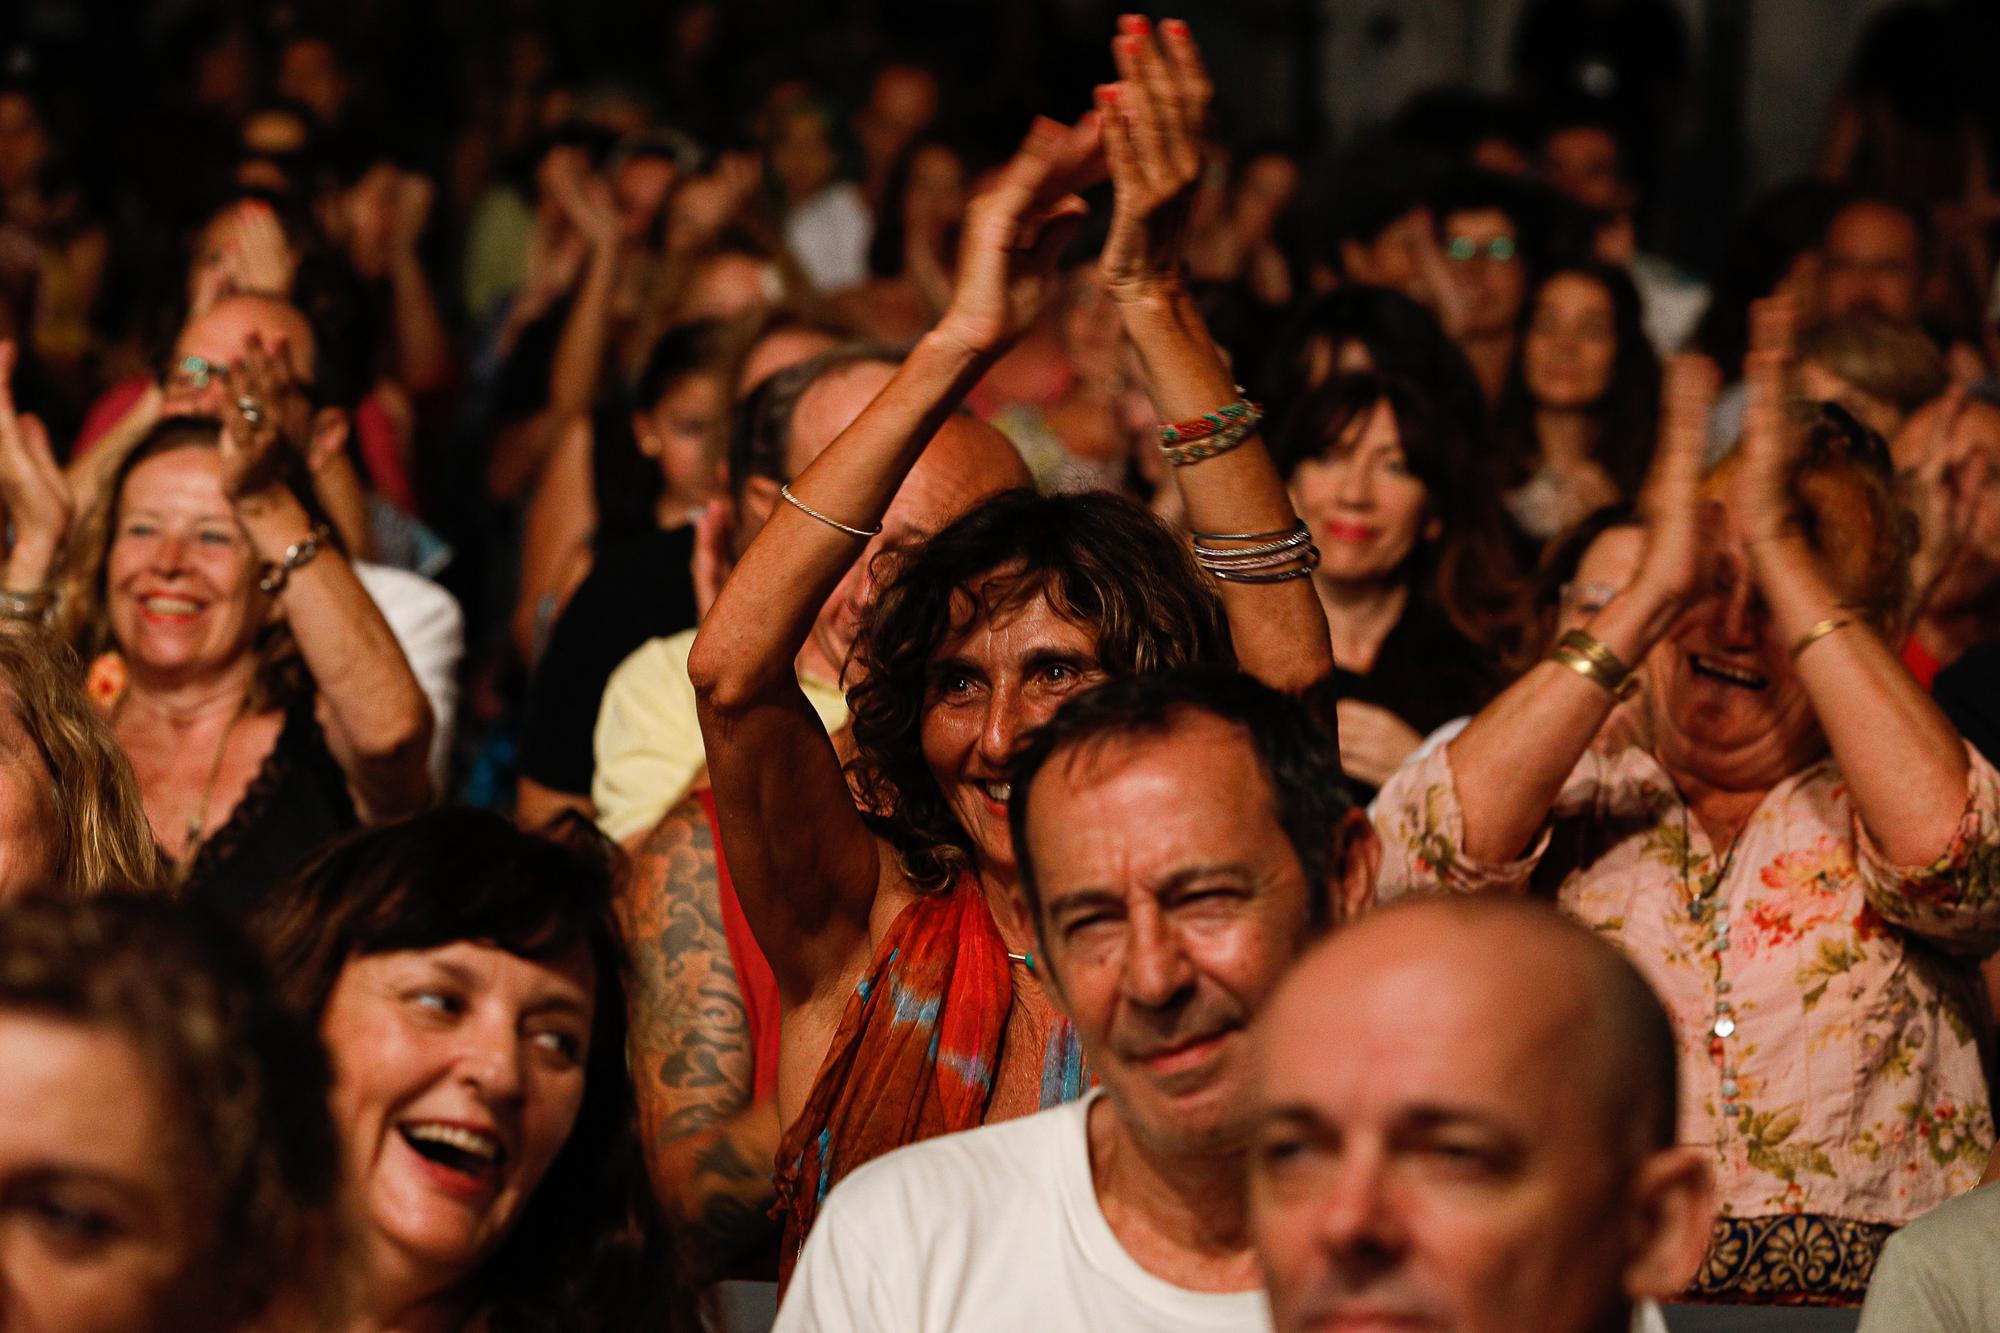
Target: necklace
<point>197,824</point>
<point>1708,909</point>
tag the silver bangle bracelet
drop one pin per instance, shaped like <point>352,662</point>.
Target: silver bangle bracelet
<point>1298,537</point>
<point>1308,561</point>
<point>785,492</point>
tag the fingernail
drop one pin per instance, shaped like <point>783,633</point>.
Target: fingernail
<point>1131,45</point>
<point>1109,93</point>
<point>1177,27</point>
<point>1132,23</point>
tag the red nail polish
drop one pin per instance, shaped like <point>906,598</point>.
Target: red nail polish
<point>1178,27</point>
<point>1131,23</point>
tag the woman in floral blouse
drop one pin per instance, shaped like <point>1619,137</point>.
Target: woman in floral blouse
<point>1805,861</point>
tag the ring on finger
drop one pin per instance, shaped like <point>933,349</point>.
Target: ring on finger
<point>252,410</point>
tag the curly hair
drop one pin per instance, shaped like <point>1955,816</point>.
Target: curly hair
<point>588,1248</point>
<point>81,619</point>
<point>1100,560</point>
<point>243,1081</point>
<point>102,839</point>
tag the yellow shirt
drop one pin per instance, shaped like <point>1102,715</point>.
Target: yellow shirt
<point>648,741</point>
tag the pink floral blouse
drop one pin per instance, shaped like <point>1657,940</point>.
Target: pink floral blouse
<point>1826,1000</point>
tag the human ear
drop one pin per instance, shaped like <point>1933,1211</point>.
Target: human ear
<point>1671,1212</point>
<point>1357,860</point>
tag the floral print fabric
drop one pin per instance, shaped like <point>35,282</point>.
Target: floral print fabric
<point>1826,1001</point>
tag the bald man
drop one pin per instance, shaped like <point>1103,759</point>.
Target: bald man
<point>1465,1118</point>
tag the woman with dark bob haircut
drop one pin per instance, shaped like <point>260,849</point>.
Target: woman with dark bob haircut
<point>467,982</point>
<point>1416,575</point>
<point>166,1158</point>
<point>910,999</point>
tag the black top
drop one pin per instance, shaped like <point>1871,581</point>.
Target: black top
<point>638,588</point>
<point>298,801</point>
<point>1969,693</point>
<point>1426,673</point>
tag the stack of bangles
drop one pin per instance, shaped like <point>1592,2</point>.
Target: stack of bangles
<point>29,608</point>
<point>1211,434</point>
<point>1586,654</point>
<point>1273,557</point>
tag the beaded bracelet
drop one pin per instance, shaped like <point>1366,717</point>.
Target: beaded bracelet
<point>1212,433</point>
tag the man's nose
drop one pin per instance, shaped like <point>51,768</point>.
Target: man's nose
<point>1356,1222</point>
<point>1157,971</point>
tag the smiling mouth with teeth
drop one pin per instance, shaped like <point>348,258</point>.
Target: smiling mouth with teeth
<point>1728,675</point>
<point>466,1151</point>
<point>997,792</point>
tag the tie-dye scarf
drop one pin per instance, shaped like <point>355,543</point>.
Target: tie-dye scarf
<point>915,1053</point>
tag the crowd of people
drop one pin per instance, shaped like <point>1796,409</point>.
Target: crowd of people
<point>1126,731</point>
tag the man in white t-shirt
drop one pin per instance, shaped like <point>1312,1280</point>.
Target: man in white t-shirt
<point>1180,836</point>
<point>1465,1113</point>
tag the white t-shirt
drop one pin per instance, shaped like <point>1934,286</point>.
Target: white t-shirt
<point>995,1228</point>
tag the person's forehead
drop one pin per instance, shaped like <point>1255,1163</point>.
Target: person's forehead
<point>1479,221</point>
<point>81,1095</point>
<point>1012,623</point>
<point>831,402</point>
<point>222,334</point>
<point>1871,226</point>
<point>571,976</point>
<point>1612,556</point>
<point>1153,804</point>
<point>1408,1016</point>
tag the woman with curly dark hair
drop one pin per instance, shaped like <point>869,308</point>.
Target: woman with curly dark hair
<point>1576,423</point>
<point>911,1004</point>
<point>468,983</point>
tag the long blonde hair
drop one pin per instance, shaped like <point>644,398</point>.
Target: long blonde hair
<point>102,838</point>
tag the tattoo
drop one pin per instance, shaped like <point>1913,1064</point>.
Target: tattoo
<point>722,1159</point>
<point>690,1031</point>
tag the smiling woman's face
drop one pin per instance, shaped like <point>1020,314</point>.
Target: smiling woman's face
<point>1365,507</point>
<point>989,687</point>
<point>180,581</point>
<point>458,1075</point>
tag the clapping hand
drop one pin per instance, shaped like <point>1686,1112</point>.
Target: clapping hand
<point>38,503</point>
<point>1671,500</point>
<point>254,420</point>
<point>1016,231</point>
<point>1761,489</point>
<point>1154,119</point>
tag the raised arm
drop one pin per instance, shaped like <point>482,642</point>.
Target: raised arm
<point>1509,766</point>
<point>35,508</point>
<point>804,865</point>
<point>1154,117</point>
<point>377,721</point>
<point>1904,763</point>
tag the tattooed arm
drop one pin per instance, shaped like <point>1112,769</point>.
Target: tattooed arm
<point>709,1147</point>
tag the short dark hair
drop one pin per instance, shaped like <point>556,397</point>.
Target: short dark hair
<point>1299,760</point>
<point>244,1081</point>
<point>1101,560</point>
<point>460,874</point>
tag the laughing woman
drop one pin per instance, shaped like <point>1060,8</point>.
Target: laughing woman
<point>466,981</point>
<point>1801,858</point>
<point>249,677</point>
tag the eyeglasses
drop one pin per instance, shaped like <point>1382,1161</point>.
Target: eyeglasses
<point>1465,249</point>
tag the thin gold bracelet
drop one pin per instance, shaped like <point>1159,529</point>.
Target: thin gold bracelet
<point>1818,632</point>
